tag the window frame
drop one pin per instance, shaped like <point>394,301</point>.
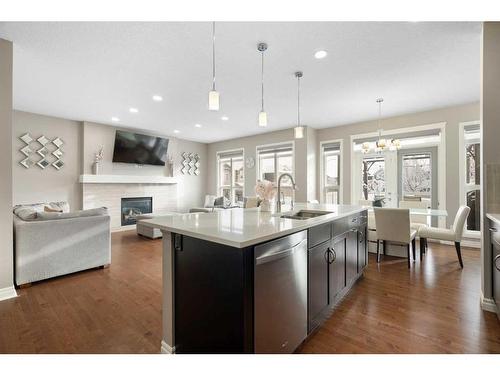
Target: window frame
<point>462,171</point>
<point>269,148</point>
<point>220,156</point>
<point>322,173</point>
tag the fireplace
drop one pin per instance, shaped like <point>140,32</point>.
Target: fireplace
<point>132,207</point>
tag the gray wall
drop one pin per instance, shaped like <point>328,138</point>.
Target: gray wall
<point>490,151</point>
<point>42,185</point>
<point>6,253</point>
<point>249,144</point>
<point>305,157</point>
<point>191,190</point>
<point>82,140</point>
<point>451,115</point>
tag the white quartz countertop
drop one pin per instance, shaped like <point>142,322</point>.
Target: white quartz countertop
<point>240,227</point>
<point>494,217</point>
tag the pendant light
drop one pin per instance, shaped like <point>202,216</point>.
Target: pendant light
<point>298,130</point>
<point>262,47</point>
<point>381,143</point>
<point>213,95</point>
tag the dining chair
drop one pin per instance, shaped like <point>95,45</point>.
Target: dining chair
<point>453,234</point>
<point>372,230</point>
<point>393,227</point>
<point>417,221</point>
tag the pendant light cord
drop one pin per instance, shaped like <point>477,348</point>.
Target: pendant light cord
<point>262,82</point>
<point>213,56</point>
<point>298,101</point>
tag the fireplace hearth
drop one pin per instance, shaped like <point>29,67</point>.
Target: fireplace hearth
<point>133,207</point>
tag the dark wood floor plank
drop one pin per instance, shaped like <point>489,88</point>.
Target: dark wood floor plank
<point>431,308</point>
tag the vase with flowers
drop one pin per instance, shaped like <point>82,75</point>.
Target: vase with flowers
<point>97,160</point>
<point>265,191</point>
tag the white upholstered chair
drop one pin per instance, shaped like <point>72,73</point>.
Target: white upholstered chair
<point>417,221</point>
<point>393,226</point>
<point>372,234</point>
<point>453,234</point>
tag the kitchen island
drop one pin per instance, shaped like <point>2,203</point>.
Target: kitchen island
<point>246,281</point>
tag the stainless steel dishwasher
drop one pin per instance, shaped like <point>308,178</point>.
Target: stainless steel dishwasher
<point>280,294</point>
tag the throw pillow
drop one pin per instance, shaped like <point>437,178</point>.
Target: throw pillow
<point>50,209</point>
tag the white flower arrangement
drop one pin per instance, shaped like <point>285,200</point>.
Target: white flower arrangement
<point>265,190</point>
<point>99,155</point>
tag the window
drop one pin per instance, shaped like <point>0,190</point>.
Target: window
<point>331,172</point>
<point>231,176</point>
<point>273,161</point>
<point>373,178</point>
<point>471,151</point>
<point>416,175</point>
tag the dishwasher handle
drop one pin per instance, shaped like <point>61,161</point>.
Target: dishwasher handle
<point>278,255</point>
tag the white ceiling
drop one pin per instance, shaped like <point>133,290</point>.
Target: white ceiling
<point>93,71</point>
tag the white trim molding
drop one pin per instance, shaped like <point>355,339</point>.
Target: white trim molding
<point>7,293</point>
<point>340,141</point>
<point>488,304</point>
<point>166,349</point>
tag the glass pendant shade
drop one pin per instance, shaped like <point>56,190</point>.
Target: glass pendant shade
<point>365,147</point>
<point>262,119</point>
<point>213,100</point>
<point>299,132</point>
<point>382,143</point>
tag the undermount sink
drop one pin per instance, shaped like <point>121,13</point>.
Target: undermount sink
<point>304,214</point>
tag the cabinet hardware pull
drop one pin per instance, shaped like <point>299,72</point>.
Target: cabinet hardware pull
<point>495,262</point>
<point>327,255</point>
<point>334,256</point>
<point>493,230</point>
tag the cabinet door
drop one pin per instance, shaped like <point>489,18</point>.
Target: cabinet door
<point>351,267</point>
<point>317,282</point>
<point>362,253</point>
<point>337,267</point>
<point>496,273</point>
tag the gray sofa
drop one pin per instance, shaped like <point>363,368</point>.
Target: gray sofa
<point>49,244</point>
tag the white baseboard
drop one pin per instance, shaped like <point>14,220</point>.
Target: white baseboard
<point>166,349</point>
<point>488,304</point>
<point>6,293</point>
<point>124,228</point>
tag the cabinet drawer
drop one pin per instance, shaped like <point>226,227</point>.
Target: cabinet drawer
<point>319,234</point>
<point>340,226</point>
<point>355,221</point>
<point>494,233</point>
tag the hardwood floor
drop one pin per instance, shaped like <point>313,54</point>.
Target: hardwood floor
<point>428,309</point>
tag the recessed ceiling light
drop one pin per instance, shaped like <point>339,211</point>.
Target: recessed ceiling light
<point>115,119</point>
<point>157,98</point>
<point>197,125</point>
<point>133,110</point>
<point>224,118</point>
<point>320,54</point>
<point>177,131</point>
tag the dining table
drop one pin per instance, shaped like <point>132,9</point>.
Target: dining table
<point>430,212</point>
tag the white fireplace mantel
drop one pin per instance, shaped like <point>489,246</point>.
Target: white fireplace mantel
<point>125,179</point>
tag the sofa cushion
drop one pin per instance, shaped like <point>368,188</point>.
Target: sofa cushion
<point>31,211</point>
<point>25,212</point>
<point>42,216</point>
<point>222,202</point>
<point>209,200</point>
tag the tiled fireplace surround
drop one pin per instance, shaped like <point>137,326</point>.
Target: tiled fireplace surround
<point>110,195</point>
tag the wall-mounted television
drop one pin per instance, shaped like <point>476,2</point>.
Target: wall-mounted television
<point>139,148</point>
